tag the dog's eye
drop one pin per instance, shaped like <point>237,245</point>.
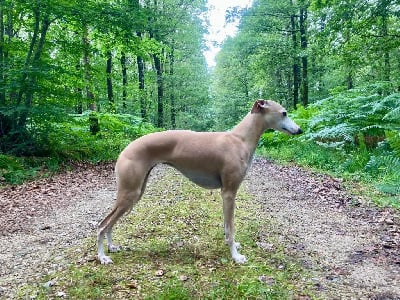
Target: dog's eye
<point>284,114</point>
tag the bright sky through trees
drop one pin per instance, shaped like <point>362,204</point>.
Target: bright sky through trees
<point>219,30</point>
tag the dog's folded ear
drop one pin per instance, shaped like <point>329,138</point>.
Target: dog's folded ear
<point>259,105</point>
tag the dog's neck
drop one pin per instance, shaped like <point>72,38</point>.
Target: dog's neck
<point>250,129</point>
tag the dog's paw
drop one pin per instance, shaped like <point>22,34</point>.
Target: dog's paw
<point>237,245</point>
<point>240,259</point>
<point>113,248</point>
<point>105,260</point>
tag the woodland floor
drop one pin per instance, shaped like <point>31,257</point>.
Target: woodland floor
<point>351,249</point>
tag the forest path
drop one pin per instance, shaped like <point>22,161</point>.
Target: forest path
<point>352,251</point>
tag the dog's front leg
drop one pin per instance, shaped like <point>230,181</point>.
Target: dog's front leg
<point>228,197</point>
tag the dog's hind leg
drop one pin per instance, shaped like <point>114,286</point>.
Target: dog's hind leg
<point>131,186</point>
<point>124,204</point>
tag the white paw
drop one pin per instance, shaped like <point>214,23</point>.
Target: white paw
<point>105,260</point>
<point>113,248</point>
<point>237,245</point>
<point>240,259</point>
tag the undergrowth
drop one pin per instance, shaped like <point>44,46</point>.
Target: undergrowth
<point>172,253</point>
<point>353,134</point>
<point>69,140</point>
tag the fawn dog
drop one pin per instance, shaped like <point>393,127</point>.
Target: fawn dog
<point>213,160</point>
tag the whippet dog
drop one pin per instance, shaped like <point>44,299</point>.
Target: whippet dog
<point>212,160</point>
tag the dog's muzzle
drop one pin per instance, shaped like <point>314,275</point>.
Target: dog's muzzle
<point>299,131</point>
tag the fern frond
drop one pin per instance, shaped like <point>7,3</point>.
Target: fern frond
<point>394,141</point>
<point>393,115</point>
<point>390,165</point>
<point>333,136</point>
<point>392,189</point>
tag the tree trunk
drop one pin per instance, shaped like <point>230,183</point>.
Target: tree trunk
<point>7,123</point>
<point>10,33</point>
<point>94,123</point>
<point>348,55</point>
<point>296,68</point>
<point>124,80</point>
<point>94,126</point>
<point>386,75</point>
<point>4,120</point>
<point>27,63</point>
<point>2,67</point>
<point>160,91</point>
<point>172,89</point>
<point>33,77</point>
<point>304,58</point>
<point>384,31</point>
<point>349,80</point>
<point>110,96</point>
<point>79,101</point>
<point>140,66</point>
<point>87,69</point>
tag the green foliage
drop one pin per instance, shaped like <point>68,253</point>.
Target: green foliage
<point>342,117</point>
<point>290,149</point>
<point>387,162</point>
<point>174,291</point>
<point>338,46</point>
<point>59,67</point>
<point>393,137</point>
<point>356,121</point>
<point>72,140</point>
<point>354,134</point>
<point>10,169</point>
<point>16,170</point>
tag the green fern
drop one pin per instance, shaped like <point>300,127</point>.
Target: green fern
<point>389,164</point>
<point>392,189</point>
<point>342,116</point>
<point>394,141</point>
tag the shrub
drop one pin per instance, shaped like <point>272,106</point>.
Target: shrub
<point>351,132</point>
<point>343,116</point>
<point>68,140</point>
<point>73,140</point>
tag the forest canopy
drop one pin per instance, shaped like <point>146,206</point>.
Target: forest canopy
<point>60,59</point>
<point>337,65</point>
<point>303,51</point>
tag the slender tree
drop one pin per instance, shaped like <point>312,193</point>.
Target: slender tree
<point>110,92</point>
<point>304,56</point>
<point>296,67</point>
<point>124,79</point>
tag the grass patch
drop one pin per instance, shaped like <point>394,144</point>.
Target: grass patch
<point>174,249</point>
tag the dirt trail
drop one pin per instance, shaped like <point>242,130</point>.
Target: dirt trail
<point>352,251</point>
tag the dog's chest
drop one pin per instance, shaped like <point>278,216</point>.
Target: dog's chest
<point>208,181</point>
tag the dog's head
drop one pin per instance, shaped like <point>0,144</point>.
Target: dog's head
<point>275,116</point>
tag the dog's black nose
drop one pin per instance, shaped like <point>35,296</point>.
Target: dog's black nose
<point>299,131</point>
